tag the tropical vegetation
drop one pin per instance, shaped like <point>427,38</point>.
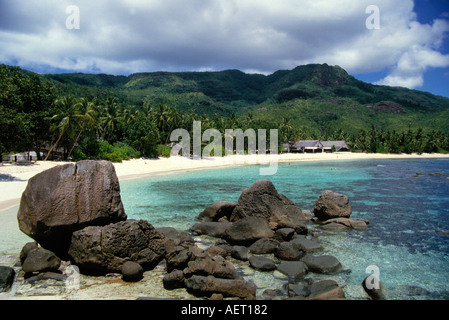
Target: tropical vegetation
<point>82,116</point>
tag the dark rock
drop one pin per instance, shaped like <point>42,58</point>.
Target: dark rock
<point>67,198</point>
<point>213,229</point>
<point>322,264</point>
<point>132,271</point>
<point>221,243</point>
<point>27,248</point>
<point>178,237</point>
<point>206,286</point>
<point>290,251</point>
<point>105,249</point>
<point>262,263</point>
<point>178,258</point>
<point>41,260</point>
<point>326,290</point>
<point>7,275</point>
<point>308,245</point>
<point>263,200</point>
<point>240,253</point>
<point>284,234</point>
<point>207,266</point>
<point>294,270</point>
<point>248,230</point>
<point>217,211</point>
<point>301,290</point>
<point>264,246</point>
<point>346,223</point>
<point>174,280</point>
<point>373,287</point>
<point>332,205</point>
<point>213,251</point>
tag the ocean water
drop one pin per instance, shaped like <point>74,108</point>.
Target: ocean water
<point>406,202</point>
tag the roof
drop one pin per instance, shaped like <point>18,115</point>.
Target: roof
<point>337,144</point>
<point>308,144</point>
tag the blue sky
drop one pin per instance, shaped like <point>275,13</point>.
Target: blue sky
<point>410,48</point>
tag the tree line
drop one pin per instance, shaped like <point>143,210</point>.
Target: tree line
<point>34,118</point>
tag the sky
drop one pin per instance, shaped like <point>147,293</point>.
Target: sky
<point>390,42</point>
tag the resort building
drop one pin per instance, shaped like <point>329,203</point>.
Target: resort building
<point>314,146</point>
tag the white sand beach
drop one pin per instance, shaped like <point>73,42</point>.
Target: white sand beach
<point>14,177</point>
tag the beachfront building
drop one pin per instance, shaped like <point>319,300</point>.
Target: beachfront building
<point>309,146</point>
<point>339,146</point>
<point>314,146</point>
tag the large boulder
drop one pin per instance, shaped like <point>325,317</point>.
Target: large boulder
<point>332,205</point>
<point>67,198</point>
<point>248,230</point>
<point>262,200</point>
<point>105,249</point>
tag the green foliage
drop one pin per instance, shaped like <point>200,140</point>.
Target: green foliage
<point>81,116</point>
<point>163,151</point>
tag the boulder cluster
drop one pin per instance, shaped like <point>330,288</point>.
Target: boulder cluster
<point>74,213</point>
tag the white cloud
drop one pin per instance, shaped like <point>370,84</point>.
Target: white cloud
<point>122,37</point>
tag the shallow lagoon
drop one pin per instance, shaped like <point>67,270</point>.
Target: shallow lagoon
<point>407,238</point>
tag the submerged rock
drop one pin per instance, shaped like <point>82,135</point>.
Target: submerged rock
<point>217,211</point>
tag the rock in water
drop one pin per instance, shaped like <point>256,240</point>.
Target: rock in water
<point>67,198</point>
<point>262,200</point>
<point>248,230</point>
<point>332,205</point>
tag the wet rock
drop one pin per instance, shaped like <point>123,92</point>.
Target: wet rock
<point>373,287</point>
<point>308,245</point>
<point>213,229</point>
<point>294,270</point>
<point>262,200</point>
<point>284,234</point>
<point>217,211</point>
<point>67,198</point>
<point>290,251</point>
<point>248,230</point>
<point>240,253</point>
<point>332,205</point>
<point>322,264</point>
<point>262,263</point>
<point>264,246</point>
<point>345,223</point>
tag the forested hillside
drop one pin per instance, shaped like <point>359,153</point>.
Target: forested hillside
<point>116,117</point>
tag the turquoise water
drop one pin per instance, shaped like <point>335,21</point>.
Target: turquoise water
<point>407,237</point>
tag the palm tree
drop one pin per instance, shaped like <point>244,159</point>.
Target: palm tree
<point>112,118</point>
<point>86,114</point>
<point>65,119</point>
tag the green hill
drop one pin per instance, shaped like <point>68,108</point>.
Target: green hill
<point>317,96</point>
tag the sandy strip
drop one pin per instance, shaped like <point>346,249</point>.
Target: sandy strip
<point>17,176</point>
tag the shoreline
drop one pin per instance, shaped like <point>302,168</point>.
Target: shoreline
<point>18,175</point>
